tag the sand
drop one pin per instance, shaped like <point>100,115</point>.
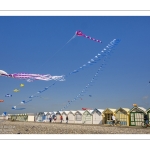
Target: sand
<point>9,127</point>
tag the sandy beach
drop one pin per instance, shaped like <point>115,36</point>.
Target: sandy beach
<point>9,127</point>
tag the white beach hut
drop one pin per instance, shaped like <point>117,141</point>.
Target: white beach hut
<point>71,116</point>
<point>87,117</point>
<point>97,116</point>
<point>58,114</point>
<point>31,117</point>
<point>40,117</point>
<point>64,114</point>
<point>78,116</point>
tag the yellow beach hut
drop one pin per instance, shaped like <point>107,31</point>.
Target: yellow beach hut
<point>137,116</point>
<point>107,115</point>
<point>122,114</point>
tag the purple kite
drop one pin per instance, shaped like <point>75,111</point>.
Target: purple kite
<point>32,77</point>
<point>79,33</point>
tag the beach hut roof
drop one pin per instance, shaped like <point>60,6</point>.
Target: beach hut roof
<point>66,112</point>
<point>80,111</point>
<point>139,108</point>
<point>109,109</point>
<point>72,111</point>
<point>148,110</point>
<point>100,110</point>
<point>126,109</point>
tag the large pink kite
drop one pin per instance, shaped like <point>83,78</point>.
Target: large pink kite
<point>79,33</point>
<point>31,77</point>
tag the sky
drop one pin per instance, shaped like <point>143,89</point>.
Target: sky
<point>37,45</point>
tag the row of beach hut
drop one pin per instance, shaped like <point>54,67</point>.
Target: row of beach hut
<point>128,117</point>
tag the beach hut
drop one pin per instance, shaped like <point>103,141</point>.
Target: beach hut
<point>40,117</point>
<point>87,117</point>
<point>122,114</point>
<point>31,117</point>
<point>64,114</point>
<point>148,114</point>
<point>107,115</point>
<point>78,116</point>
<point>58,114</point>
<point>97,116</point>
<point>71,116</point>
<point>137,116</point>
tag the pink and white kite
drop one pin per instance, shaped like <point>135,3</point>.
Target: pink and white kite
<point>79,33</point>
<point>32,77</point>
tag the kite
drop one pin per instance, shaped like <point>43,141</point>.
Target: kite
<point>16,90</point>
<point>110,47</point>
<point>4,113</point>
<point>15,108</point>
<point>90,95</point>
<point>8,95</point>
<point>79,33</point>
<point>32,77</point>
<point>23,102</point>
<point>1,100</point>
<point>22,85</point>
<point>86,108</point>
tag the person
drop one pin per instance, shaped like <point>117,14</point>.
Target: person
<point>55,119</point>
<point>61,118</point>
<point>113,119</point>
<point>50,119</point>
<point>146,119</point>
<point>66,119</point>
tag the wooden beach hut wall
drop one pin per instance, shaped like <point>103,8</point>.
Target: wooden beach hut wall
<point>64,114</point>
<point>97,116</point>
<point>19,117</point>
<point>71,116</point>
<point>107,115</point>
<point>58,114</point>
<point>148,114</point>
<point>87,117</point>
<point>137,116</point>
<point>122,114</point>
<point>31,117</point>
<point>78,116</point>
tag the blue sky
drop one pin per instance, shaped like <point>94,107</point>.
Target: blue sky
<point>34,45</point>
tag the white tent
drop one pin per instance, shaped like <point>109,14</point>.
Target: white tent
<point>87,117</point>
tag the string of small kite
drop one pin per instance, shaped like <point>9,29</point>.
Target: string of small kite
<point>110,47</point>
<point>31,77</point>
<point>103,53</point>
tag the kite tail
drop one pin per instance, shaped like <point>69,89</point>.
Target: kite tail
<point>58,78</point>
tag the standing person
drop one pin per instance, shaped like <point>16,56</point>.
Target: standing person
<point>61,118</point>
<point>50,119</point>
<point>67,119</point>
<point>113,119</point>
<point>54,118</point>
<point>146,119</point>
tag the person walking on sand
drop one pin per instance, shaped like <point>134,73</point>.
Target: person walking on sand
<point>55,119</point>
<point>50,119</point>
<point>113,119</point>
<point>61,119</point>
<point>66,119</point>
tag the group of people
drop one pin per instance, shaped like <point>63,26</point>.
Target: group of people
<point>53,119</point>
